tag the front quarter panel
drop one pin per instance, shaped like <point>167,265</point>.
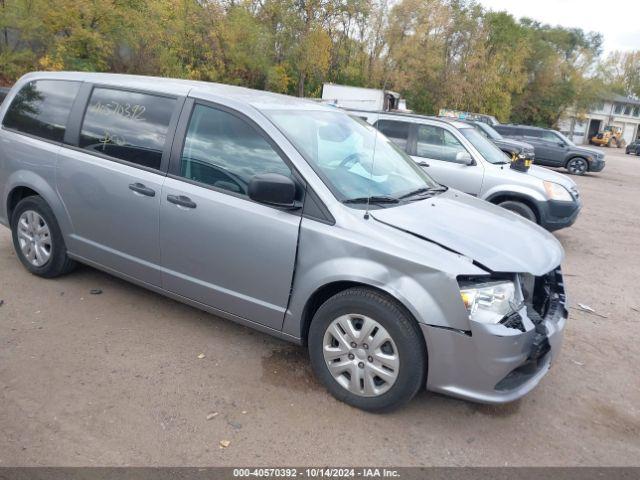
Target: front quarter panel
<point>417,273</point>
<point>506,182</point>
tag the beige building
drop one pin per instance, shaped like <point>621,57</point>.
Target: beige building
<point>615,110</point>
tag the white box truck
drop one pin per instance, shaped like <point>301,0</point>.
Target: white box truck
<point>369,99</point>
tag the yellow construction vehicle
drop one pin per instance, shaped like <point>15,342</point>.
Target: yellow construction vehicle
<point>610,137</point>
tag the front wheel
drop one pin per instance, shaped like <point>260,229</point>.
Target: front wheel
<point>521,209</point>
<point>367,351</point>
<point>577,166</point>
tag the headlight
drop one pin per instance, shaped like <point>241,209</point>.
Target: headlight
<point>557,192</point>
<point>489,302</point>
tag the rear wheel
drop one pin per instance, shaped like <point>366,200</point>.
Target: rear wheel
<point>577,166</point>
<point>521,209</point>
<point>38,240</point>
<point>367,351</point>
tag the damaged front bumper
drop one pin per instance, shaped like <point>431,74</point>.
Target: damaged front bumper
<point>502,362</point>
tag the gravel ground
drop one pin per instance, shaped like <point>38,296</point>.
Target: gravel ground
<point>115,378</point>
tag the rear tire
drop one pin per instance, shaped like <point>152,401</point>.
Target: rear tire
<point>37,239</point>
<point>388,341</point>
<point>519,208</point>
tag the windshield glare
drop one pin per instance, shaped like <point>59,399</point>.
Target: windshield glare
<point>341,150</point>
<point>487,149</point>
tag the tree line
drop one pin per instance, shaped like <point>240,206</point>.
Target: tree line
<point>437,53</point>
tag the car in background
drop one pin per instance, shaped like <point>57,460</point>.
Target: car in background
<point>513,148</point>
<point>553,149</point>
<point>3,93</point>
<point>455,154</point>
<point>633,147</point>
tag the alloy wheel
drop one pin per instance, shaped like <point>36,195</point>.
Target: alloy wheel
<point>577,166</point>
<point>361,355</point>
<point>34,238</point>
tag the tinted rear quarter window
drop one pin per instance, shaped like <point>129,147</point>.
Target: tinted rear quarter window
<point>41,108</point>
<point>532,133</point>
<point>126,125</point>
<point>398,132</point>
<point>504,130</point>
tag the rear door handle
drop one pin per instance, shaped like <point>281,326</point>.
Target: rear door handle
<point>181,201</point>
<point>142,189</point>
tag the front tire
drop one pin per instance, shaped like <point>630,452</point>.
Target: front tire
<point>577,166</point>
<point>519,208</point>
<point>367,351</point>
<point>37,239</point>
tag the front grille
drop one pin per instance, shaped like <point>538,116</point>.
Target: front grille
<point>544,294</point>
<point>575,192</point>
<point>513,321</point>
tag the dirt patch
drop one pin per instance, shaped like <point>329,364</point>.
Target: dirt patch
<point>505,410</point>
<point>289,367</point>
<point>616,420</point>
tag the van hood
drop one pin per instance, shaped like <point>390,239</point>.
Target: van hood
<point>492,236</point>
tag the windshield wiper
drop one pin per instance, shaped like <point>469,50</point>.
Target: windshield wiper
<point>373,199</point>
<point>422,191</point>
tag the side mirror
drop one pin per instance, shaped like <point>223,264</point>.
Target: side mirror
<point>273,189</point>
<point>561,144</point>
<point>465,158</point>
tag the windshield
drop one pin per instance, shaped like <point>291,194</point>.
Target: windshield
<point>488,150</point>
<point>340,149</point>
<point>565,138</point>
<point>489,131</point>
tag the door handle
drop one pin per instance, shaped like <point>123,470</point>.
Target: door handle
<point>423,164</point>
<point>181,201</point>
<point>142,189</point>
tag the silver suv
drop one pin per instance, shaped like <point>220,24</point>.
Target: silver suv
<point>457,155</point>
<point>286,216</point>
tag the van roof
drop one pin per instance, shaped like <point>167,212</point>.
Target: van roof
<point>259,99</point>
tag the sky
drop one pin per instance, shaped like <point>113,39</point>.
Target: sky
<point>617,21</point>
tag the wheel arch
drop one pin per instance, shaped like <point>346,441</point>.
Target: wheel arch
<point>15,195</point>
<point>500,197</point>
<point>325,292</point>
<point>25,183</point>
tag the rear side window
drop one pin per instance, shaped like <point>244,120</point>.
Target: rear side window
<point>531,132</point>
<point>41,108</point>
<point>508,130</point>
<point>550,136</point>
<point>128,126</point>
<point>397,132</point>
<point>225,151</point>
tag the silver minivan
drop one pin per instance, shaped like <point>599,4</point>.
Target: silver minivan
<point>456,154</point>
<point>287,216</point>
